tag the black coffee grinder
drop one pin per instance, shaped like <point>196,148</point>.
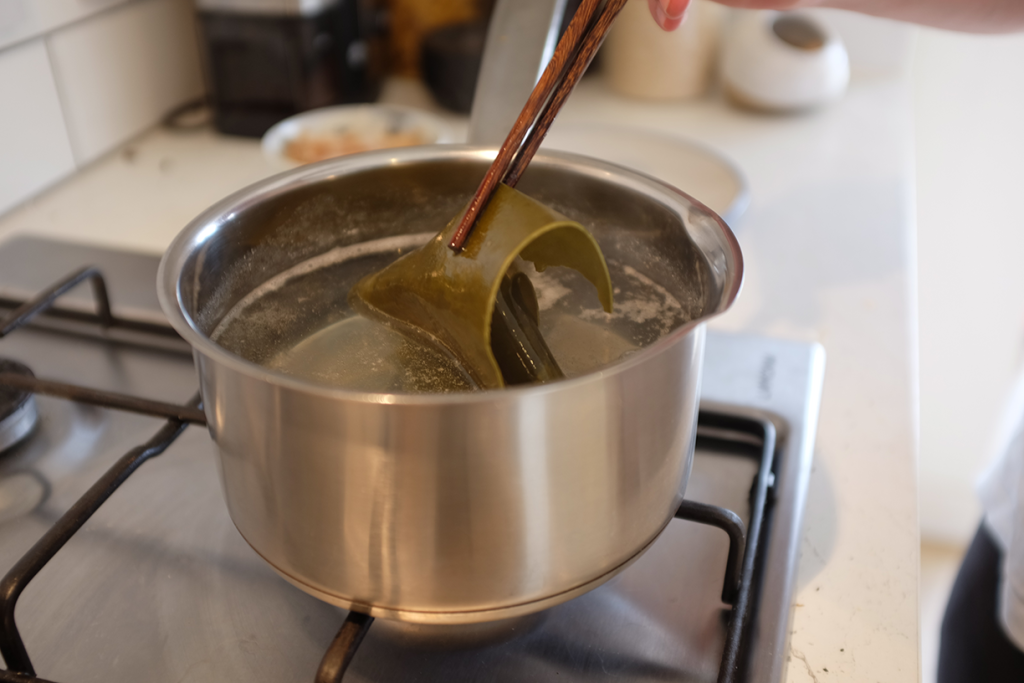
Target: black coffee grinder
<point>269,59</point>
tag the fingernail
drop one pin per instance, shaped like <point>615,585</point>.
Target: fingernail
<point>659,14</point>
<point>673,9</point>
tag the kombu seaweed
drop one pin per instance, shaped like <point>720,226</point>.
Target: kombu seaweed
<point>478,304</point>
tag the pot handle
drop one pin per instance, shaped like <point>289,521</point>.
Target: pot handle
<point>521,39</point>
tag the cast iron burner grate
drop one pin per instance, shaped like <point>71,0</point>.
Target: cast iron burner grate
<point>731,432</point>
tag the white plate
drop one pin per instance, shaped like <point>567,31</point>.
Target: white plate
<point>368,120</point>
<point>698,171</point>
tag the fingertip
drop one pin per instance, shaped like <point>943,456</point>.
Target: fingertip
<point>675,9</point>
<point>658,13</point>
<point>672,24</point>
<point>668,14</point>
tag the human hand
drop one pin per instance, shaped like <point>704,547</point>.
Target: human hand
<point>669,14</point>
<point>979,16</point>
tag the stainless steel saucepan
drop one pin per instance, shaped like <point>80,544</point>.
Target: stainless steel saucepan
<point>443,508</point>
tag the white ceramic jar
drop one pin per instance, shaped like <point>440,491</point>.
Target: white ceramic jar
<point>783,61</point>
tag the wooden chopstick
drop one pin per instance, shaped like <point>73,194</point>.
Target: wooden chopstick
<point>573,54</point>
<point>592,41</point>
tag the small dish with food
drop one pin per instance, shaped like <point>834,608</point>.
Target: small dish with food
<point>335,131</point>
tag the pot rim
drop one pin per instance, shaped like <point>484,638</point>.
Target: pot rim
<point>201,228</point>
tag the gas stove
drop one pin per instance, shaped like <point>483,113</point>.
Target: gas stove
<point>124,565</point>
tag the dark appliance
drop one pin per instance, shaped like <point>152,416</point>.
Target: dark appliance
<point>269,59</point>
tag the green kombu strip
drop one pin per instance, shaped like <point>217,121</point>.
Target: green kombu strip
<point>475,303</point>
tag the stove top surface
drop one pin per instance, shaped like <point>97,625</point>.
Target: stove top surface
<point>158,585</point>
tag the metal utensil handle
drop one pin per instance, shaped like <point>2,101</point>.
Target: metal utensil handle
<point>521,39</point>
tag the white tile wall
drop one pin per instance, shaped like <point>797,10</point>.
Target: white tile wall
<point>22,20</point>
<point>34,147</point>
<point>80,77</point>
<point>119,72</point>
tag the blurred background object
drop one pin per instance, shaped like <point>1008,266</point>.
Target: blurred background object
<point>783,61</point>
<point>451,62</point>
<point>347,129</point>
<point>451,53</point>
<point>270,59</point>
<point>641,60</point>
<point>412,20</point>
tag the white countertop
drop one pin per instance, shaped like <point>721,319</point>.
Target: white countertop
<point>829,243</point>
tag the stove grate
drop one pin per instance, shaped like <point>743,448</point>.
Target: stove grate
<point>11,645</point>
<point>750,434</point>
